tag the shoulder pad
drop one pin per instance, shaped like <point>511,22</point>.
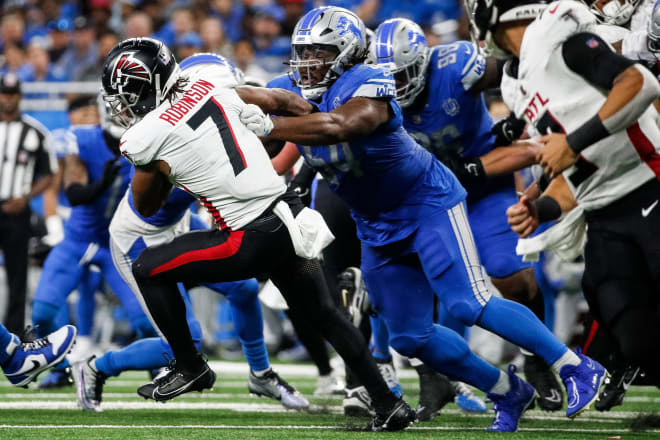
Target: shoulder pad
<point>64,142</point>
<point>137,147</point>
<point>372,81</point>
<point>561,19</point>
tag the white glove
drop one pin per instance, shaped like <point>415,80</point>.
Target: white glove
<point>55,229</point>
<point>256,121</point>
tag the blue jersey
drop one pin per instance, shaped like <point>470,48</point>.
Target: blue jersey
<point>90,222</point>
<point>385,178</point>
<point>455,118</point>
<point>173,210</point>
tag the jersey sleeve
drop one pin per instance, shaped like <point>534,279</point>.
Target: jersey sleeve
<point>136,149</point>
<point>64,142</point>
<point>466,61</point>
<point>373,82</point>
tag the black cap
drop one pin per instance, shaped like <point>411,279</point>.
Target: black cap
<point>81,23</point>
<point>9,83</point>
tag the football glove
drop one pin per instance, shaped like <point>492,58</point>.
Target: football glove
<point>256,121</point>
<point>508,130</point>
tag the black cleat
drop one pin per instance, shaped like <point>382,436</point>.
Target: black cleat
<point>178,381</point>
<point>397,419</point>
<point>539,374</point>
<point>614,390</point>
<point>435,391</point>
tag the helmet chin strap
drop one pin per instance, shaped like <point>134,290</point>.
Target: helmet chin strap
<point>157,80</point>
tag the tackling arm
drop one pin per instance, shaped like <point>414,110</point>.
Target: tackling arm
<point>357,117</point>
<point>150,187</point>
<point>275,101</point>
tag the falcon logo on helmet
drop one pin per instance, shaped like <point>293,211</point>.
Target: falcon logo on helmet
<point>126,67</point>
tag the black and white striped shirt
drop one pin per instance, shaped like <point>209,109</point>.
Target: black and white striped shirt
<point>25,153</point>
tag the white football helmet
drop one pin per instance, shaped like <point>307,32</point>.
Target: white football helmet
<point>325,36</point>
<point>401,44</point>
<point>616,12</point>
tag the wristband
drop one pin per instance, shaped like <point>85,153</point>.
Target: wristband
<point>588,134</point>
<point>547,209</point>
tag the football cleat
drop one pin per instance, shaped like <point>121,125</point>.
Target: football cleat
<point>270,384</point>
<point>357,403</point>
<point>31,358</point>
<point>397,419</point>
<point>57,379</point>
<point>354,295</point>
<point>467,400</point>
<point>388,372</point>
<point>435,391</point>
<point>543,379</point>
<point>177,381</point>
<point>329,385</point>
<point>616,387</point>
<point>89,385</point>
<point>582,383</point>
<point>510,407</point>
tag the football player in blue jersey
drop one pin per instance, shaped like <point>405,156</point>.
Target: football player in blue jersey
<point>439,91</point>
<point>411,217</point>
<point>130,235</point>
<point>95,176</point>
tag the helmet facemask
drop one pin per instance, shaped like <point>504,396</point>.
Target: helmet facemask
<point>410,80</point>
<point>614,12</point>
<point>308,63</point>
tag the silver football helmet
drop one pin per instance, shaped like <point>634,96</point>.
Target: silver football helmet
<point>401,43</point>
<point>616,12</point>
<point>325,36</point>
<point>653,31</point>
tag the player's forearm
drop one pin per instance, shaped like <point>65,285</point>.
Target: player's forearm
<point>561,192</point>
<point>275,101</point>
<point>506,160</point>
<point>286,158</point>
<point>314,129</point>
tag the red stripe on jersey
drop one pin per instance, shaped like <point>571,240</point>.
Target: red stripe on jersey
<point>215,213</point>
<point>231,130</point>
<point>224,250</point>
<point>644,148</point>
<point>590,338</point>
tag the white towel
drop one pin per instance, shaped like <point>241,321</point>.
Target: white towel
<point>308,231</point>
<point>567,238</point>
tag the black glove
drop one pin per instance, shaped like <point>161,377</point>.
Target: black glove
<point>302,183</point>
<point>467,170</point>
<point>508,130</point>
<point>110,171</point>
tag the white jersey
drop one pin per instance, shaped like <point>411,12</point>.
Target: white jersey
<point>211,154</point>
<point>554,98</point>
<point>640,18</point>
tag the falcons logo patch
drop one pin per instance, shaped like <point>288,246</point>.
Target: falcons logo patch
<point>128,67</point>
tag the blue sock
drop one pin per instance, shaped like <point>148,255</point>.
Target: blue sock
<point>44,316</point>
<point>381,339</point>
<point>5,338</point>
<point>85,313</point>
<point>256,354</point>
<point>517,324</point>
<point>144,354</point>
<point>447,352</point>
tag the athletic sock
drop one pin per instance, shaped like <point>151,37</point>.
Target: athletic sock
<point>256,354</point>
<point>568,358</point>
<point>8,344</point>
<point>502,386</point>
<point>517,324</point>
<point>144,354</point>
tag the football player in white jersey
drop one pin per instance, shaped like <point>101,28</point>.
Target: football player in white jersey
<point>190,132</point>
<point>601,151</point>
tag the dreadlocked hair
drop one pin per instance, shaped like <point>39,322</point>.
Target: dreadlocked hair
<point>177,89</point>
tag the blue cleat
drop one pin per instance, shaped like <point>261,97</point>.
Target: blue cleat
<point>582,383</point>
<point>31,358</point>
<point>511,406</point>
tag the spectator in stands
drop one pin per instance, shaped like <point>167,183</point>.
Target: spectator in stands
<point>213,37</point>
<point>11,30</point>
<point>293,10</point>
<point>58,34</point>
<point>231,14</point>
<point>39,66</point>
<point>271,48</point>
<point>14,59</point>
<point>244,58</point>
<point>138,24</point>
<point>182,22</point>
<point>82,54</point>
<point>188,44</point>
<point>106,42</point>
<point>99,15</point>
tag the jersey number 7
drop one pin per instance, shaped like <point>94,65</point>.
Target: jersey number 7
<point>212,109</point>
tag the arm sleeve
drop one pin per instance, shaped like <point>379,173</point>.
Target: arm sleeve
<point>79,194</point>
<point>590,57</point>
<point>45,163</point>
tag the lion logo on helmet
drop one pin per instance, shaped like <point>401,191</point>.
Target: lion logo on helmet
<point>127,67</point>
<point>345,25</point>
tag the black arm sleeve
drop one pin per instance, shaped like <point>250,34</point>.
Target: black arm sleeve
<point>304,177</point>
<point>590,57</point>
<point>79,194</point>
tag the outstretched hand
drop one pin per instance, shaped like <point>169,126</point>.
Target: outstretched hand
<point>523,217</point>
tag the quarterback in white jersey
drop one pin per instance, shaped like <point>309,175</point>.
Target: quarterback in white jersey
<point>601,152</point>
<point>192,132</point>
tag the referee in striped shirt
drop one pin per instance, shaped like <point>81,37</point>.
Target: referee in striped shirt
<point>26,169</point>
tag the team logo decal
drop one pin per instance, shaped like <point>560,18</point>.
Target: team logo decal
<point>451,107</point>
<point>345,25</point>
<point>126,67</point>
<point>336,102</point>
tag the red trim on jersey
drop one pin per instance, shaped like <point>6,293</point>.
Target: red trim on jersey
<point>590,338</point>
<point>215,213</point>
<point>224,250</point>
<point>231,130</point>
<point>644,148</point>
<point>563,130</point>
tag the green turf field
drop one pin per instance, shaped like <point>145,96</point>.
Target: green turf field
<point>228,412</point>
